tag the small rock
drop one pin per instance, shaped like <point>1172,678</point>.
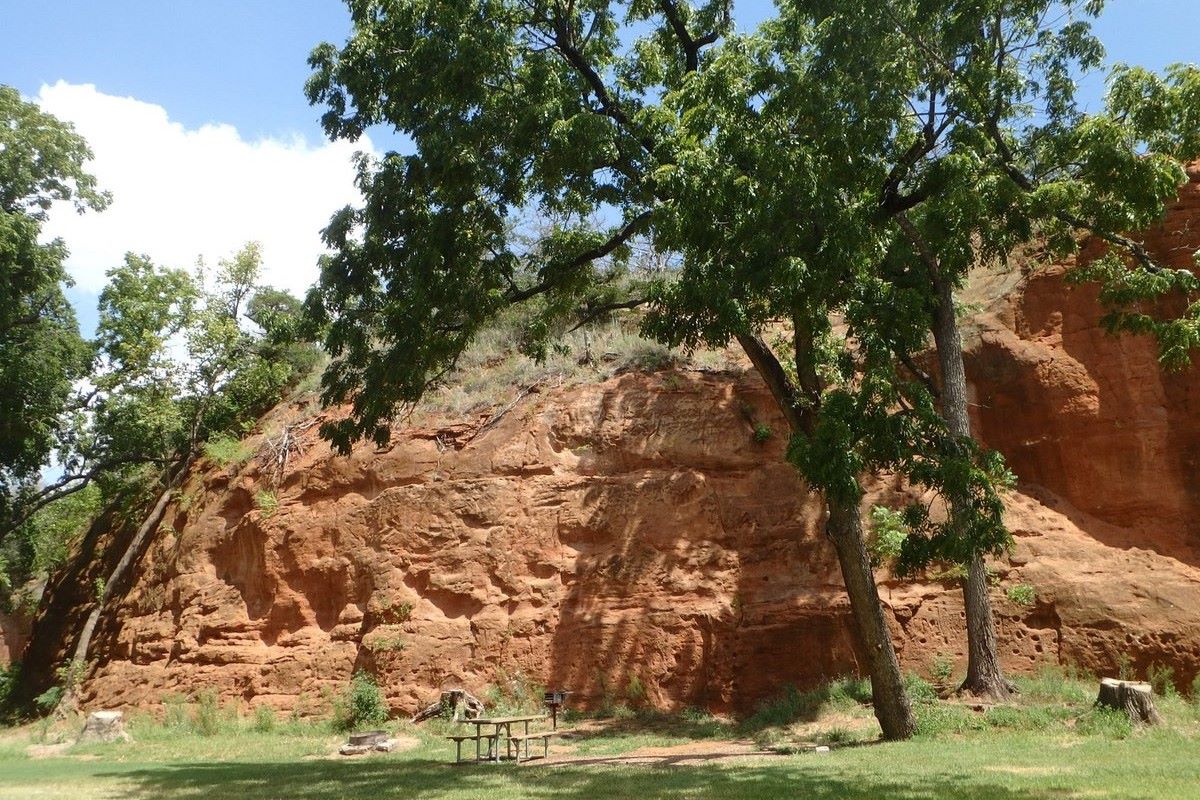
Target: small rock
<point>353,749</point>
<point>386,746</point>
<point>823,748</point>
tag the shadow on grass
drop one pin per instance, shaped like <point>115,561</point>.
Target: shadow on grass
<point>380,779</point>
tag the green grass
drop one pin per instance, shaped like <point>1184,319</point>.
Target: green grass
<point>1050,743</point>
<point>989,767</point>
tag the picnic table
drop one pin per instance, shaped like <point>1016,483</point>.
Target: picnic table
<point>502,726</point>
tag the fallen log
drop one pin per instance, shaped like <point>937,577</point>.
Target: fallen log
<point>1133,698</point>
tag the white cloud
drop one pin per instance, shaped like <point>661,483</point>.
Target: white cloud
<point>179,194</point>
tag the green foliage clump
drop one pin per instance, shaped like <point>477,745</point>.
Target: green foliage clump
<point>1161,678</point>
<point>207,717</point>
<point>360,705</point>
<point>264,719</point>
<point>224,450</point>
<point>762,432</point>
<point>518,693</point>
<point>942,667</point>
<point>1021,594</point>
<point>44,541</point>
<point>888,532</point>
<point>266,501</point>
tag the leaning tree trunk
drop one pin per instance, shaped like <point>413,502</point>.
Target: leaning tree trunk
<point>1135,699</point>
<point>846,532</point>
<point>111,582</point>
<point>890,699</point>
<point>985,677</point>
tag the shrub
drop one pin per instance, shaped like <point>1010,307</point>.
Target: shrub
<point>919,690</point>
<point>1162,679</point>
<point>943,667</point>
<point>762,432</point>
<point>8,679</point>
<point>360,705</point>
<point>264,719</point>
<point>635,691</point>
<point>224,450</point>
<point>1021,594</point>
<point>207,717</point>
<point>174,711</point>
<point>888,533</point>
<point>266,502</point>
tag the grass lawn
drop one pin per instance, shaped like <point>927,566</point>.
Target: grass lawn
<point>1047,745</point>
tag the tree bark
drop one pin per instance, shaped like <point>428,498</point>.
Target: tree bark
<point>985,677</point>
<point>889,697</point>
<point>1135,699</point>
<point>845,530</point>
<point>132,552</point>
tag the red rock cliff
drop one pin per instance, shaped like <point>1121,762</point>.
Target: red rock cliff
<point>634,529</point>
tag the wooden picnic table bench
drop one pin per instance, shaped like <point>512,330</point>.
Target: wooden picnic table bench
<point>491,738</point>
<point>503,725</point>
<point>519,739</point>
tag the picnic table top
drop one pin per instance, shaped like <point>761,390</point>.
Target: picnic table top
<point>504,720</point>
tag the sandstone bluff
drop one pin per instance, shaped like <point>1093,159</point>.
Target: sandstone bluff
<point>635,528</point>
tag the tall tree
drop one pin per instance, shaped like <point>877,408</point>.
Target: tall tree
<point>790,169</point>
<point>42,161</point>
<point>539,106</point>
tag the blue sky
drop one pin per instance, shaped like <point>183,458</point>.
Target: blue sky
<point>196,112</point>
<point>242,62</point>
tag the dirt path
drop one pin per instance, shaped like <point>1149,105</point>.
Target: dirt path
<point>691,754</point>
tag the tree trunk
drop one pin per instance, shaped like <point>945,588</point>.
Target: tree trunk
<point>890,699</point>
<point>985,677</point>
<point>845,530</point>
<point>132,551</point>
<point>1135,699</point>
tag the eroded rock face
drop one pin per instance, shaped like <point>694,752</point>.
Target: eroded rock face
<point>631,538</point>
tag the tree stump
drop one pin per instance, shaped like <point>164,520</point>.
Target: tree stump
<point>1135,699</point>
<point>457,704</point>
<point>104,726</point>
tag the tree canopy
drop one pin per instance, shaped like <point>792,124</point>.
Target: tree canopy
<point>831,176</point>
<point>42,161</point>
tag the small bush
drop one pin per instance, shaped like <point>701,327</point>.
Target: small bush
<point>1022,594</point>
<point>361,705</point>
<point>518,694</point>
<point>1195,689</point>
<point>48,700</point>
<point>207,718</point>
<point>888,533</point>
<point>919,690</point>
<point>1054,684</point>
<point>849,691</point>
<point>264,719</point>
<point>224,450</point>
<point>1162,680</point>
<point>837,735</point>
<point>266,502</point>
<point>943,667</point>
<point>174,711</point>
<point>635,691</point>
<point>8,679</point>
<point>762,432</point>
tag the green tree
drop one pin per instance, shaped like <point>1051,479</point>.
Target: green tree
<point>41,352</point>
<point>789,170</point>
